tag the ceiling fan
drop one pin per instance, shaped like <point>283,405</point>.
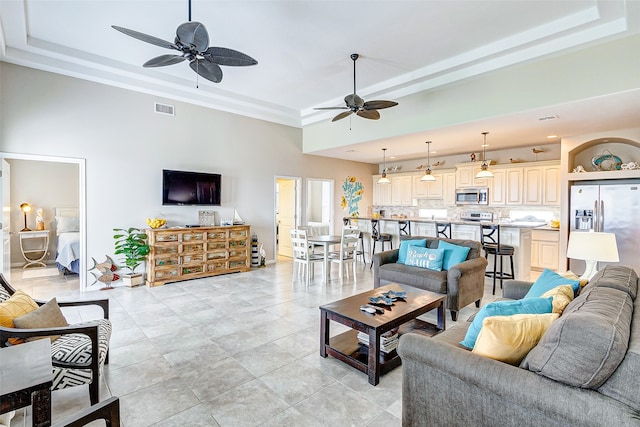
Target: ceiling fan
<point>192,40</point>
<point>355,104</point>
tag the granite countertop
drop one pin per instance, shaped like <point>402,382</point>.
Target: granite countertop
<point>513,224</point>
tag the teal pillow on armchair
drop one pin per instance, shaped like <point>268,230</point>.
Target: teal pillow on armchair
<point>404,245</point>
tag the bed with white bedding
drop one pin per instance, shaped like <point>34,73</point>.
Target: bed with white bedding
<point>68,240</point>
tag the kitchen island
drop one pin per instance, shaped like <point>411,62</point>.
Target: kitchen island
<point>514,233</point>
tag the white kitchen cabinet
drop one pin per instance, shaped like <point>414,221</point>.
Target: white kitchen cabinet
<point>541,185</point>
<point>466,176</point>
<point>381,193</point>
<point>428,189</point>
<point>513,186</point>
<point>544,249</point>
<point>498,188</point>
<point>465,231</point>
<point>533,184</point>
<point>423,229</point>
<point>449,188</point>
<point>401,190</point>
<point>520,239</point>
<point>551,185</point>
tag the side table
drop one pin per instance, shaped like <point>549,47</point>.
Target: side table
<point>26,379</point>
<point>34,246</point>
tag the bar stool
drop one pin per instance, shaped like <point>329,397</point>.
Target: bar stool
<point>404,228</point>
<point>443,229</point>
<point>376,236</point>
<point>490,240</point>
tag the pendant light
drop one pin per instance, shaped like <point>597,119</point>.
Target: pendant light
<point>384,179</point>
<point>484,169</point>
<point>427,173</point>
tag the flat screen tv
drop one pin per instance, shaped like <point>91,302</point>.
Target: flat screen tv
<point>190,188</point>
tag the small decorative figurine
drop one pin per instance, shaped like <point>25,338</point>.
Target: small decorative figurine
<point>473,157</point>
<point>39,219</point>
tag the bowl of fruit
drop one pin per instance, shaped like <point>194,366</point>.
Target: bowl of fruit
<point>156,222</point>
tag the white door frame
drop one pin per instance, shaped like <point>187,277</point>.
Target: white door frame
<point>298,206</point>
<point>82,200</point>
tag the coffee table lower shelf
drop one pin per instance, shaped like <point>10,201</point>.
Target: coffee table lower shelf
<point>346,348</point>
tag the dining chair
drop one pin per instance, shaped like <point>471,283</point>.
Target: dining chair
<point>348,248</point>
<point>443,229</point>
<point>303,256</point>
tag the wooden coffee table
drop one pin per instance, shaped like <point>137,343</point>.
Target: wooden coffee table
<point>347,311</point>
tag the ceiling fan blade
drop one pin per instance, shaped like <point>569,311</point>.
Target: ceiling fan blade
<point>369,114</point>
<point>342,115</point>
<point>161,61</point>
<point>331,108</point>
<point>193,34</point>
<point>207,69</point>
<point>228,57</point>
<point>146,38</point>
<point>353,101</point>
<point>378,105</point>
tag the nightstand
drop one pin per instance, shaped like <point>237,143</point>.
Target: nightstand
<point>34,246</point>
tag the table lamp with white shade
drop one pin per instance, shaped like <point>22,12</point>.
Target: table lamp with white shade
<point>592,247</point>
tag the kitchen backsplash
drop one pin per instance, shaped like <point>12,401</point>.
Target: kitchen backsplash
<point>436,209</point>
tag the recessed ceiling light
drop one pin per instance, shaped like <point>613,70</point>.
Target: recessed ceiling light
<point>551,136</point>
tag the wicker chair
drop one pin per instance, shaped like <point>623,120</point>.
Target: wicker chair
<point>81,351</point>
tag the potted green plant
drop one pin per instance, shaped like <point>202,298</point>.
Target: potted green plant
<point>132,244</point>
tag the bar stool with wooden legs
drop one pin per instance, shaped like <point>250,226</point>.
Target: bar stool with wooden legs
<point>443,229</point>
<point>376,236</point>
<point>490,240</point>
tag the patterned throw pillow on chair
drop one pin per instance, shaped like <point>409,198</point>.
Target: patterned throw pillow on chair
<point>425,258</point>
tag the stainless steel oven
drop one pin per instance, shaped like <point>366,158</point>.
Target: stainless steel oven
<point>472,196</point>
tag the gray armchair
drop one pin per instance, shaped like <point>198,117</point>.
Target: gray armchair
<point>463,283</point>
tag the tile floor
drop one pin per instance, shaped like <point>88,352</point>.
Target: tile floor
<point>233,350</point>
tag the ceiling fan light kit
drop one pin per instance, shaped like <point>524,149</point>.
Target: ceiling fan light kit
<point>427,177</point>
<point>383,179</point>
<point>192,40</point>
<point>355,104</point>
<point>484,168</point>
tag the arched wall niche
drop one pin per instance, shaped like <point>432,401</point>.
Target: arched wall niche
<point>627,150</point>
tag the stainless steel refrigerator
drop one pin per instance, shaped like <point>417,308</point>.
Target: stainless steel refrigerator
<point>612,208</point>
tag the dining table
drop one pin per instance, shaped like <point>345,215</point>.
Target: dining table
<point>325,240</point>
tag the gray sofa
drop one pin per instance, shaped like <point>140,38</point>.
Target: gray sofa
<point>584,371</point>
<point>463,283</point>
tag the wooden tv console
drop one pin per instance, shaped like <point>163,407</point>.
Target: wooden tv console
<point>189,253</point>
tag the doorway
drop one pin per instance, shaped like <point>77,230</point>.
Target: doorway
<point>287,212</point>
<point>11,200</point>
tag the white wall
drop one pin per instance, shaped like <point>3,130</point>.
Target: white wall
<point>126,145</point>
<point>45,185</point>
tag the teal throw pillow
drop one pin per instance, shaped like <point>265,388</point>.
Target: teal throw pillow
<point>404,245</point>
<point>425,258</point>
<point>505,308</point>
<point>453,254</point>
<point>549,280</point>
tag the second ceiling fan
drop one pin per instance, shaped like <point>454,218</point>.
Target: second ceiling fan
<point>355,104</point>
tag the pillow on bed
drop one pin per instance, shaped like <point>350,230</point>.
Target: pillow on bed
<point>66,224</point>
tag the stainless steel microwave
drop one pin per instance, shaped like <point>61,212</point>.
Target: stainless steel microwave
<point>472,196</point>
